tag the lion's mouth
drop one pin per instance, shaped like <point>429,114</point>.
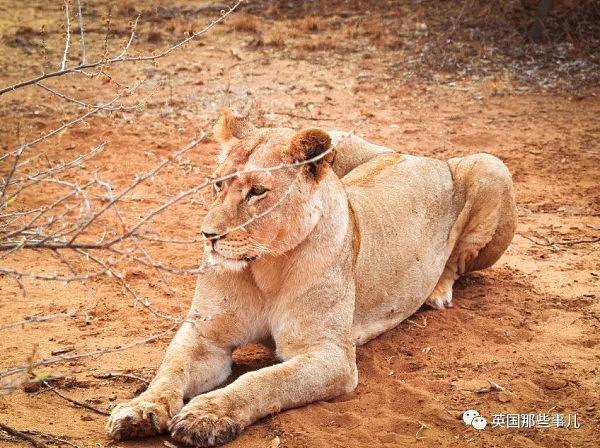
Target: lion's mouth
<point>217,257</point>
<point>236,257</point>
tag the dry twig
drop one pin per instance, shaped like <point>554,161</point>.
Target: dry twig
<point>422,427</point>
<point>549,242</point>
<point>58,359</point>
<point>22,435</point>
<point>32,319</point>
<point>75,402</point>
<point>51,438</point>
<point>110,375</point>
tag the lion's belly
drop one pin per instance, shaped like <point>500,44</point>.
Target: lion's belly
<point>404,209</point>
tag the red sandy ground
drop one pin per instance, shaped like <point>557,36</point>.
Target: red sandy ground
<point>530,323</point>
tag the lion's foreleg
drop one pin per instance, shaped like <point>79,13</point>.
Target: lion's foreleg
<point>192,364</point>
<point>218,417</point>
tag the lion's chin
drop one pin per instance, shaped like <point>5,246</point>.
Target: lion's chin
<point>232,265</point>
<point>224,264</point>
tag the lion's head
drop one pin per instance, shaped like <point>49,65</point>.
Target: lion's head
<point>263,212</point>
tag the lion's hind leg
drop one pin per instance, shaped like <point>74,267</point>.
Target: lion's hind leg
<point>463,254</point>
<point>486,224</point>
<point>441,296</point>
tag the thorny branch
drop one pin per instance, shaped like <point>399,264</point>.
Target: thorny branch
<point>71,221</point>
<point>121,58</point>
<point>61,128</point>
<point>87,105</point>
<point>128,234</point>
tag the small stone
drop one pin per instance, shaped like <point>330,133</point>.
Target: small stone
<point>503,397</point>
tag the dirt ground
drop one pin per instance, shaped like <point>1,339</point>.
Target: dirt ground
<point>530,324</point>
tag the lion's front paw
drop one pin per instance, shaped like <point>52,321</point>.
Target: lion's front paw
<point>137,419</point>
<point>204,424</point>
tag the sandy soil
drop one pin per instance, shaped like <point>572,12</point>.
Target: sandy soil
<point>530,323</point>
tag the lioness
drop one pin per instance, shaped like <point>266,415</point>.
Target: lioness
<point>319,256</point>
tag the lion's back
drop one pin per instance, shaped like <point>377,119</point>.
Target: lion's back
<point>404,210</point>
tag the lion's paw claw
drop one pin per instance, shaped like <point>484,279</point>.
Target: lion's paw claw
<point>132,420</point>
<point>203,430</point>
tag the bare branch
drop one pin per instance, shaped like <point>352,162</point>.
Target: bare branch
<point>41,212</point>
<point>38,177</point>
<point>159,239</point>
<point>87,105</point>
<point>81,31</point>
<point>17,275</point>
<point>125,285</point>
<point>63,358</point>
<point>68,36</point>
<point>134,184</point>
<point>124,52</point>
<point>170,288</point>
<point>79,119</point>
<point>8,180</point>
<point>75,402</point>
<point>34,319</point>
<point>117,60</point>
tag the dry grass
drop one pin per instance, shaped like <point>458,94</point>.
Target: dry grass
<point>312,23</point>
<point>382,36</point>
<point>126,8</point>
<point>244,22</point>
<point>319,44</point>
<point>276,37</point>
<point>154,36</point>
<point>375,30</point>
<point>350,30</point>
<point>25,30</point>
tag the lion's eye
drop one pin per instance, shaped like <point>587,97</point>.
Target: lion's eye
<point>257,190</point>
<point>218,185</point>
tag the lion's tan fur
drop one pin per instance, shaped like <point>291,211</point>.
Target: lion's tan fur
<point>351,250</point>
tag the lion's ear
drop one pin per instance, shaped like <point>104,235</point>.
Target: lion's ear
<point>309,144</point>
<point>229,129</point>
